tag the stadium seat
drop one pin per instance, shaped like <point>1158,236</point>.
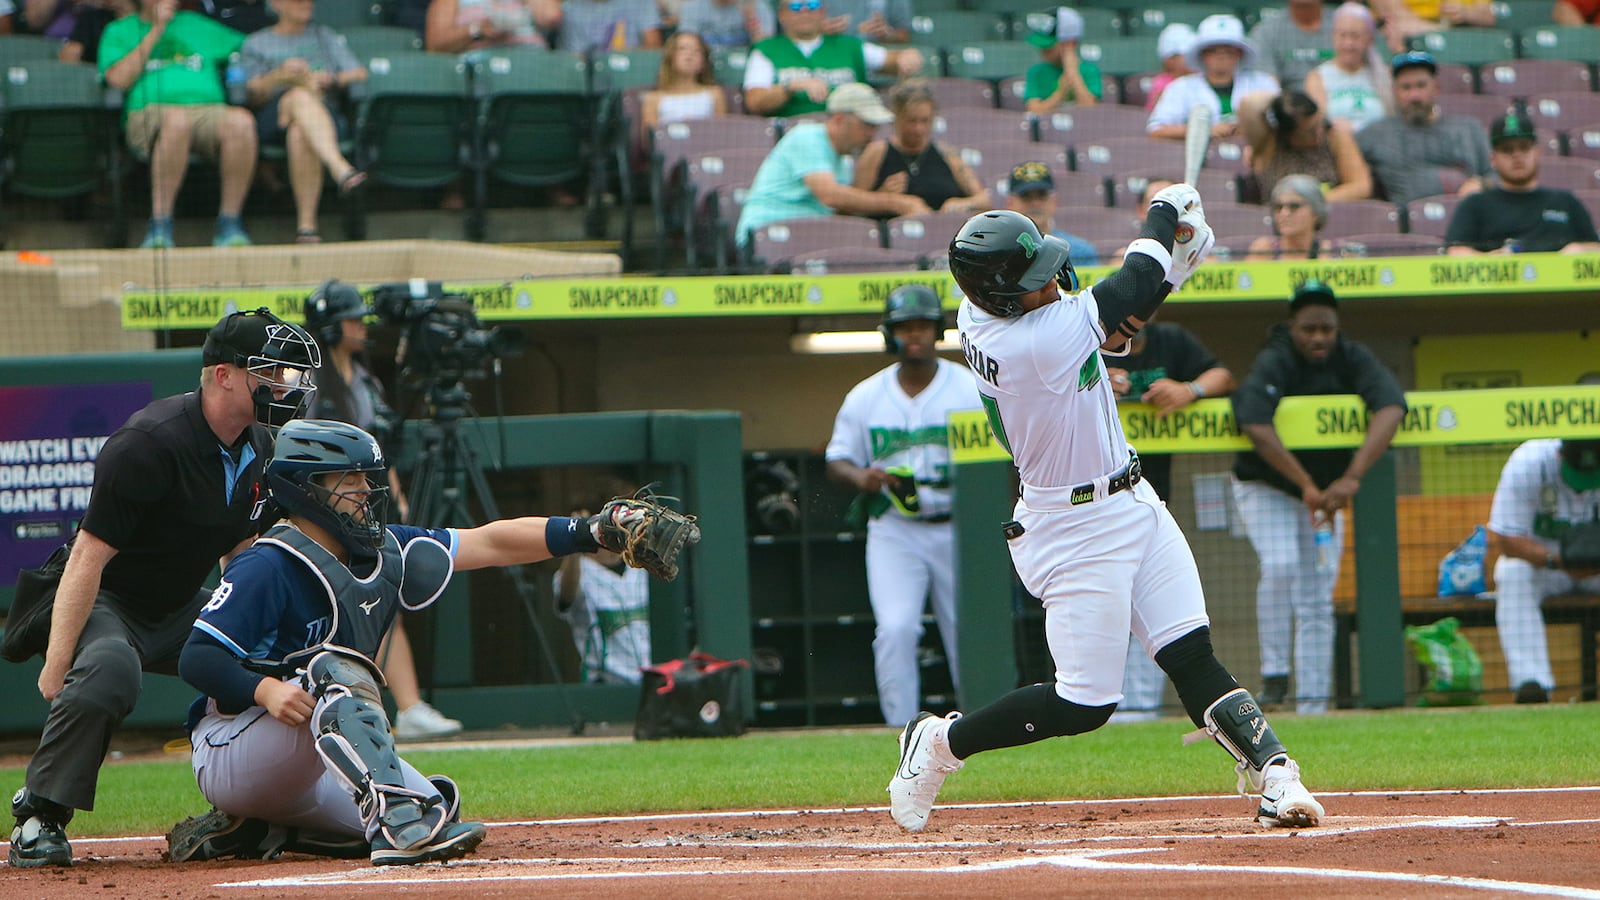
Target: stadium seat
<point>1583,141</point>
<point>57,138</point>
<point>27,48</point>
<point>1098,223</point>
<point>927,235</point>
<point>1520,15</point>
<point>1361,217</point>
<point>1148,20</point>
<point>854,259</point>
<point>1215,185</point>
<point>368,41</point>
<point>1073,123</point>
<point>349,14</point>
<point>964,127</point>
<point>1110,156</point>
<point>1563,114</point>
<point>952,27</point>
<point>1580,43</point>
<point>992,159</point>
<point>671,146</point>
<point>953,94</point>
<point>1098,23</point>
<point>1136,88</point>
<point>727,64</point>
<point>1227,155</point>
<point>1431,215</point>
<point>623,69</point>
<point>989,60</point>
<point>1570,173</point>
<point>772,246</point>
<point>1530,78</point>
<point>1122,56</point>
<point>1483,107</point>
<point>1385,244</point>
<point>714,187</point>
<point>1238,220</point>
<point>1468,46</point>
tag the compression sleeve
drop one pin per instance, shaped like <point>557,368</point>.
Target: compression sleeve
<point>1136,290</point>
<point>212,669</point>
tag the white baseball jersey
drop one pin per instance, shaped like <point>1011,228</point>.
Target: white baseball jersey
<point>610,621</point>
<point>1531,500</point>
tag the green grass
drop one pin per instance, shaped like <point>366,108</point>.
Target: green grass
<point>1483,747</point>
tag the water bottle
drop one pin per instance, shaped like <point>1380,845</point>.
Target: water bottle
<point>235,79</point>
<point>1322,536</point>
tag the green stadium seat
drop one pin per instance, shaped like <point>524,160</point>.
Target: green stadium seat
<point>1468,46</point>
<point>945,29</point>
<point>25,48</point>
<point>990,60</point>
<point>1149,20</point>
<point>367,41</point>
<point>1520,15</point>
<point>625,69</point>
<point>1581,42</point>
<point>58,139</point>
<point>1097,23</point>
<point>1120,57</point>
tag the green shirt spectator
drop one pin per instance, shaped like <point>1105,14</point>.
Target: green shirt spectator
<point>185,66</point>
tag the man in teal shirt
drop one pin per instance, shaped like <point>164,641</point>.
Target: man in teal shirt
<point>1061,76</point>
<point>169,64</point>
<point>790,73</point>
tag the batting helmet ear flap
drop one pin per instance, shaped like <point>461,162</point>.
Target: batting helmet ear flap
<point>890,345</point>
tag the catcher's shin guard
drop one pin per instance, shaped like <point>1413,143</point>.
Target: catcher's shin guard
<point>1237,723</point>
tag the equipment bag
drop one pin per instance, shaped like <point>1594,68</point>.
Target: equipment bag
<point>27,626</point>
<point>1453,674</point>
<point>701,696</point>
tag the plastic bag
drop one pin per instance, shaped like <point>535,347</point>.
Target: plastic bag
<point>1461,570</point>
<point>1453,673</point>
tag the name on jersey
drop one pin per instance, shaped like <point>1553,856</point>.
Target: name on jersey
<point>982,365</point>
<point>886,442</point>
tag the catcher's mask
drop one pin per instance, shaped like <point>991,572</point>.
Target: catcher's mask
<point>999,255</point>
<point>1580,464</point>
<point>281,357</point>
<point>307,477</point>
<point>909,303</point>
<point>329,305</point>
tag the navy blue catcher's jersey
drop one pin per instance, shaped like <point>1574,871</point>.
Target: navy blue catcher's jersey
<point>271,604</point>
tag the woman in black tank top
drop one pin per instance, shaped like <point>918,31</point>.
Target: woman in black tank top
<point>910,162</point>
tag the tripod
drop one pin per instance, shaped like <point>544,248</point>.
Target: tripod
<point>447,470</point>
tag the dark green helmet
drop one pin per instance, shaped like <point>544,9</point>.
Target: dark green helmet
<point>909,303</point>
<point>999,255</point>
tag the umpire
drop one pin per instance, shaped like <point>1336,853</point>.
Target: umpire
<point>176,488</point>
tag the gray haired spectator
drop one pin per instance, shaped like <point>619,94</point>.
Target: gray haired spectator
<point>1354,86</point>
<point>1299,213</point>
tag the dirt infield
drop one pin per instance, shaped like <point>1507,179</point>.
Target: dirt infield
<point>1432,845</point>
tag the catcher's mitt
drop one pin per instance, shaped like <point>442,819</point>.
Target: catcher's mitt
<point>647,533</point>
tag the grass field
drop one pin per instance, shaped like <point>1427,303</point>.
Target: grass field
<point>1482,747</point>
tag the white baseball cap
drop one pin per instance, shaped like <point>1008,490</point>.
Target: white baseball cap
<point>859,100</point>
<point>1068,26</point>
<point>1175,40</point>
<point>1218,31</point>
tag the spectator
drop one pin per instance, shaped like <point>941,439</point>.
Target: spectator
<point>1516,215</point>
<point>1546,488</point>
<point>51,18</point>
<point>1292,44</point>
<point>1576,12</point>
<point>412,14</point>
<point>1222,60</point>
<point>1031,190</point>
<point>889,444</point>
<point>335,314</point>
<point>728,23</point>
<point>588,25</point>
<point>1152,187</point>
<point>1167,367</point>
<point>455,26</point>
<point>168,62</point>
<point>298,73</point>
<point>1405,19</point>
<point>807,173</point>
<point>910,162</point>
<point>1299,213</point>
<point>879,21</point>
<point>685,88</point>
<point>607,604</point>
<point>1354,87</point>
<point>1060,76</point>
<point>177,487</point>
<point>244,16</point>
<point>1420,151</point>
<point>790,73</point>
<point>1289,135</point>
<point>89,21</point>
<point>1173,48</point>
<point>1283,495</point>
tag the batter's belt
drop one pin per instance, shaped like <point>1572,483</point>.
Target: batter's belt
<point>1100,488</point>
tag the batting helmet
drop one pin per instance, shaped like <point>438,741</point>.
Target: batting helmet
<point>999,255</point>
<point>281,356</point>
<point>909,303</point>
<point>330,304</point>
<point>307,449</point>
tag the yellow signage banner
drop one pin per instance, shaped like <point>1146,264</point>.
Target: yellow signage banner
<point>1434,418</point>
<point>804,294</point>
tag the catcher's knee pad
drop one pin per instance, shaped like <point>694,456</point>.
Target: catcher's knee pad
<point>1196,673</point>
<point>334,672</point>
<point>1238,724</point>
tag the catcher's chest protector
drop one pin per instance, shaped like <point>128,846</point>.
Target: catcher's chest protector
<point>363,608</point>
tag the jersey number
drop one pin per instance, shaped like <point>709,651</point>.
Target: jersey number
<point>992,410</point>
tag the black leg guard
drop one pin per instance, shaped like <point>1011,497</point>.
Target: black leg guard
<point>1196,673</point>
<point>1023,716</point>
<point>1216,703</point>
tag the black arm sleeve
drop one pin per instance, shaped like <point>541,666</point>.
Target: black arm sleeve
<point>212,669</point>
<point>1136,290</point>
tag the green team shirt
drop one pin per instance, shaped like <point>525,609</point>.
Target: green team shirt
<point>839,59</point>
<point>184,66</point>
<point>1042,78</point>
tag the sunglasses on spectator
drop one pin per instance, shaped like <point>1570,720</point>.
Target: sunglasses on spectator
<point>1291,206</point>
<point>799,5</point>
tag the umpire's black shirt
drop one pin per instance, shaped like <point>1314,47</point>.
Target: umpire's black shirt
<point>161,497</point>
<point>1279,371</point>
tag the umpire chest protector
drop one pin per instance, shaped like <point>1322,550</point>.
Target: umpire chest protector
<point>363,608</point>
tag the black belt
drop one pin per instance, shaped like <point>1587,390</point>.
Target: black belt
<point>1122,480</point>
<point>939,519</point>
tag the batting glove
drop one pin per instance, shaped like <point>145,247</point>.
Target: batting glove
<point>1190,246</point>
<point>1182,197</point>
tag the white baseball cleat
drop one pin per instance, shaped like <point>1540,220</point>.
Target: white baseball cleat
<point>925,760</point>
<point>1285,802</point>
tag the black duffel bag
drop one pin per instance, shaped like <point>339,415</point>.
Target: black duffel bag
<point>701,696</point>
<point>27,626</point>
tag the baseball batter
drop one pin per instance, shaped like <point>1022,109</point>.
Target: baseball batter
<point>1091,539</point>
<point>889,442</point>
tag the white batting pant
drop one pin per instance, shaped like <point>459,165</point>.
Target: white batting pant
<point>253,765</point>
<point>908,563</point>
<point>1103,569</point>
<point>1142,684</point>
<point>1520,587</point>
<point>1292,597</point>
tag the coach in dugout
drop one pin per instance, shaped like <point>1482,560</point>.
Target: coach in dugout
<point>176,488</point>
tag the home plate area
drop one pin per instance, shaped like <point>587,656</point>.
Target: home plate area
<point>1372,844</point>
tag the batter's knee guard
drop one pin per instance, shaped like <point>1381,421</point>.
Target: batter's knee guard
<point>1238,724</point>
<point>355,744</point>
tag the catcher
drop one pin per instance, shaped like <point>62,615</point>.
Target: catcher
<point>290,743</point>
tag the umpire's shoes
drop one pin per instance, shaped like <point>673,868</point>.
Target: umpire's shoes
<point>38,842</point>
<point>925,760</point>
<point>1285,802</point>
<point>217,834</point>
<point>453,840</point>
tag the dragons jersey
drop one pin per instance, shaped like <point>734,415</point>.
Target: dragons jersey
<point>879,426</point>
<point>1532,500</point>
<point>271,604</point>
<point>1045,389</point>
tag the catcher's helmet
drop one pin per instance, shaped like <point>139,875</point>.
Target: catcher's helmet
<point>331,303</point>
<point>309,448</point>
<point>999,255</point>
<point>281,356</point>
<point>909,303</point>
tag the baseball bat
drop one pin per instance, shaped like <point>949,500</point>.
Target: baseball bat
<point>1195,142</point>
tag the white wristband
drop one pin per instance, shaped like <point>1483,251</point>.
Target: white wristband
<point>1152,248</point>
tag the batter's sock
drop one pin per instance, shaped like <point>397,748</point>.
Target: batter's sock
<point>1023,716</point>
<point>1196,672</point>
